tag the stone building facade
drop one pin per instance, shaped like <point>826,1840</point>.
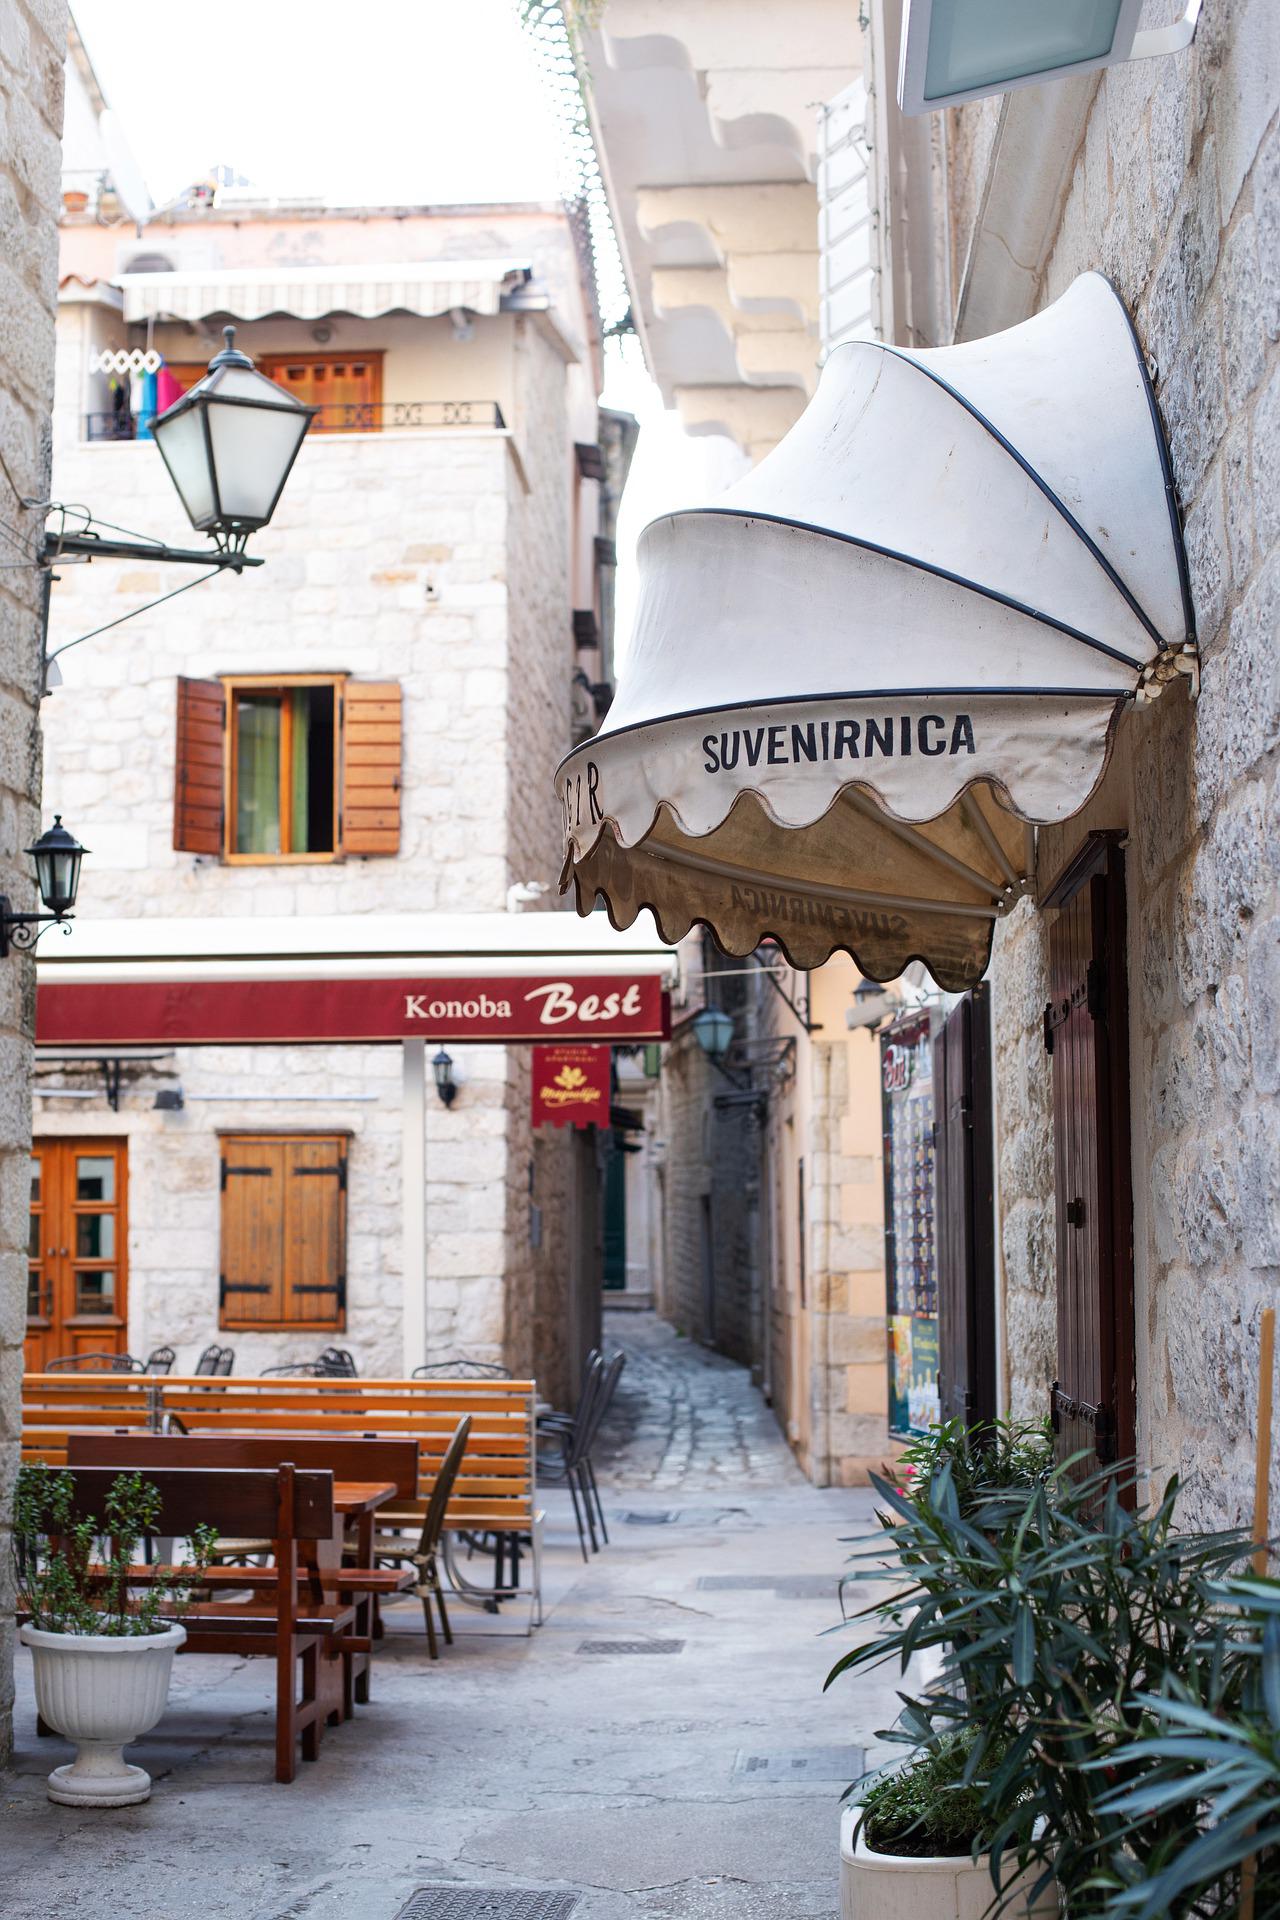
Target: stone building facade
<point>1164,176</point>
<point>32,43</point>
<point>434,550</point>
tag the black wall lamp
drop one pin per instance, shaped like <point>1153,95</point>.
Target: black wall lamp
<point>446,1086</point>
<point>57,855</point>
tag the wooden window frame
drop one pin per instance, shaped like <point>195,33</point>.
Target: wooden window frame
<point>235,684</point>
<point>272,364</point>
<point>340,1137</point>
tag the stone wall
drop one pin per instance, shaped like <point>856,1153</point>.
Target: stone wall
<point>1175,194</point>
<point>33,36</point>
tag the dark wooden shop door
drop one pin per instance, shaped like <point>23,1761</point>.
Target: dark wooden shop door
<point>1086,1032</point>
<point>966,1214</point>
<point>76,1276</point>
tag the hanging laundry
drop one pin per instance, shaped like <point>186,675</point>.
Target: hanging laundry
<point>168,388</point>
<point>147,411</point>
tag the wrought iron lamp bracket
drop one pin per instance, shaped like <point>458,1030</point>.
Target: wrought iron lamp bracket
<point>20,931</point>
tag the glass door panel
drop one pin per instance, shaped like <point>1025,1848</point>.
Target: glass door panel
<point>76,1292</point>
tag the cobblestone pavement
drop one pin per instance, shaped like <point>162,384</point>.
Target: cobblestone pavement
<point>686,1417</point>
<point>696,1779</point>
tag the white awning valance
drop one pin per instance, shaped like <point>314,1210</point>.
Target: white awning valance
<point>858,679</point>
<point>423,287</point>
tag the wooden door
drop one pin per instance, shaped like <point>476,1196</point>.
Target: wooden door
<point>1086,1033</point>
<point>77,1276</point>
<point>348,389</point>
<point>965,1212</point>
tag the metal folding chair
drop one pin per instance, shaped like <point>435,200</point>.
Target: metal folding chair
<point>424,1553</point>
<point>459,1369</point>
<point>95,1363</point>
<point>160,1360</point>
<point>571,1434</point>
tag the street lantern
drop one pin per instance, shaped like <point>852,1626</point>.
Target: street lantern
<point>713,1031</point>
<point>229,444</point>
<point>442,1067</point>
<point>57,855</point>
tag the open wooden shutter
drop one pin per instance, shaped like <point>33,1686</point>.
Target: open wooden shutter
<point>371,750</point>
<point>1086,1032</point>
<point>253,1195</point>
<point>198,799</point>
<point>966,1212</point>
<point>315,1232</point>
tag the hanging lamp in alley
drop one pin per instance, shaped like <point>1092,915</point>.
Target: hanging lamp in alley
<point>859,679</point>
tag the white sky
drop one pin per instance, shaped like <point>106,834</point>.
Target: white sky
<point>400,102</point>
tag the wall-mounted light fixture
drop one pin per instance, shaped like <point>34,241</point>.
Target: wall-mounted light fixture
<point>713,1031</point>
<point>57,855</point>
<point>872,1003</point>
<point>446,1086</point>
<point>958,50</point>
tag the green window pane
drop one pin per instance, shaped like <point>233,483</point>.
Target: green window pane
<point>95,1236</point>
<point>95,1177</point>
<point>258,773</point>
<point>96,1292</point>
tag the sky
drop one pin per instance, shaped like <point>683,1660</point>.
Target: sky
<point>444,103</point>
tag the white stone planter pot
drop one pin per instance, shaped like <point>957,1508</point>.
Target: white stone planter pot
<point>891,1886</point>
<point>101,1691</point>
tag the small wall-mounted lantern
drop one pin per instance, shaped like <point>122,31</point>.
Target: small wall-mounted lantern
<point>446,1086</point>
<point>713,1031</point>
<point>57,855</point>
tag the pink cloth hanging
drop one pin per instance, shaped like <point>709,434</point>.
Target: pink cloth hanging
<point>167,389</point>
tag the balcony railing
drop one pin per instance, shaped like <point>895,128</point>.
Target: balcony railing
<point>358,416</point>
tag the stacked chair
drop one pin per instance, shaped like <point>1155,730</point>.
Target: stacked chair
<point>566,1441</point>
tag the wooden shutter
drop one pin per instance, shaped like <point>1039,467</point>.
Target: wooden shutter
<point>198,782</point>
<point>315,1280</point>
<point>284,1231</point>
<point>966,1213</point>
<point>1086,1032</point>
<point>249,1285</point>
<point>371,749</point>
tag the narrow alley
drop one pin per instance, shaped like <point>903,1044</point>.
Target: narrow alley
<point>661,1746</point>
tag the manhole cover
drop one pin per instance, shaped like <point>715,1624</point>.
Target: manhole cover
<point>804,1763</point>
<point>486,1903</point>
<point>631,1646</point>
<point>651,1519</point>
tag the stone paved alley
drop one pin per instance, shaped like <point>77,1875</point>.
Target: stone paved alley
<point>698,1783</point>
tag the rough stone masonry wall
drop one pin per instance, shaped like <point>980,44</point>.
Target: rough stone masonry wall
<point>1176,195</point>
<point>33,37</point>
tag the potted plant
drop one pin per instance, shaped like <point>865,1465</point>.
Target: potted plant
<point>916,1847</point>
<point>102,1649</point>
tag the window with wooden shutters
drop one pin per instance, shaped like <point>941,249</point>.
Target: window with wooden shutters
<point>287,768</point>
<point>371,751</point>
<point>1086,1032</point>
<point>965,1212</point>
<point>284,1231</point>
<point>198,783</point>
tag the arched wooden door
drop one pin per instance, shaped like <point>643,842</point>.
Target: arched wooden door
<point>77,1277</point>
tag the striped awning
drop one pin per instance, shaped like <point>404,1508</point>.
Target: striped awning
<point>424,287</point>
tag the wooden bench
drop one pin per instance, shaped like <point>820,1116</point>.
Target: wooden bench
<point>391,1462</point>
<point>306,1629</point>
<point>495,1494</point>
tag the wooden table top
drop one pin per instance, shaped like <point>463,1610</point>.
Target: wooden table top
<point>362,1496</point>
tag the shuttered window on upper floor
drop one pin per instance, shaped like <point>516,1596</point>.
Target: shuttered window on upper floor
<point>284,1231</point>
<point>298,767</point>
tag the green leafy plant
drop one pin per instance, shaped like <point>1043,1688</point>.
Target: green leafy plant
<point>64,1588</point>
<point>984,1458</point>
<point>929,1806</point>
<point>1059,1612</point>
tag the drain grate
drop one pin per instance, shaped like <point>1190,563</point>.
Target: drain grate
<point>804,1763</point>
<point>486,1903</point>
<point>791,1586</point>
<point>631,1646</point>
<point>666,1519</point>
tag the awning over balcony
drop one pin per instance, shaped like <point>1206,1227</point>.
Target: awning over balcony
<point>369,978</point>
<point>858,680</point>
<point>424,287</point>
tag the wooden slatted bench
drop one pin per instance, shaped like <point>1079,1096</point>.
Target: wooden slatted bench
<point>496,1490</point>
<point>292,1618</point>
<point>347,1457</point>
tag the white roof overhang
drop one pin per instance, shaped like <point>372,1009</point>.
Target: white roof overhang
<point>424,287</point>
<point>858,680</point>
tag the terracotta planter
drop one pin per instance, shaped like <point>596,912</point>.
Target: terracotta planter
<point>102,1691</point>
<point>895,1886</point>
<point>74,201</point>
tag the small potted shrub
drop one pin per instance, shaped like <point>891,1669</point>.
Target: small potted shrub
<point>915,1847</point>
<point>102,1651</point>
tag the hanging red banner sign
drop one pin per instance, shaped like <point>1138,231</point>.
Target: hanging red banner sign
<point>571,1086</point>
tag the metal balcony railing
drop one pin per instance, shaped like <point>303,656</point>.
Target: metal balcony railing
<point>342,417</point>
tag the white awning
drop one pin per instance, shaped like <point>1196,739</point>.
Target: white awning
<point>424,287</point>
<point>858,679</point>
